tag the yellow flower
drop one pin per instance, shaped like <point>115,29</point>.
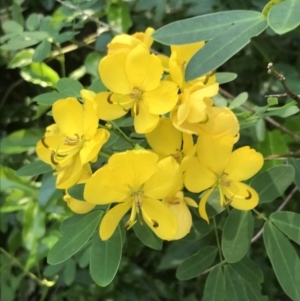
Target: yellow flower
<point>178,204</point>
<point>124,42</point>
<point>80,206</point>
<point>74,139</point>
<point>137,181</point>
<point>166,140</point>
<point>134,80</point>
<point>218,166</point>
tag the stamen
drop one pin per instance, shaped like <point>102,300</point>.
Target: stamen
<point>44,143</point>
<point>206,79</point>
<point>137,109</point>
<point>109,98</point>
<point>249,195</point>
<point>155,223</point>
<point>72,141</point>
<point>52,158</point>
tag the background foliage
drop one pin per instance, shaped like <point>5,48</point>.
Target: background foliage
<point>45,41</point>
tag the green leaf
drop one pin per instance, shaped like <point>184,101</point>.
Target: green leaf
<point>147,237</point>
<point>213,204</point>
<point>272,183</point>
<point>33,169</point>
<point>69,272</point>
<point>238,289</point>
<point>260,129</point>
<point>105,258</point>
<point>67,225</point>
<point>48,98</point>
<point>76,192</point>
<point>288,223</point>
<point>97,86</point>
<point>197,263</point>
<point>204,27</point>
<point>21,59</point>
<point>40,74</point>
<point>118,16</point>
<point>75,239</point>
<point>225,77</point>
<point>33,22</point>
<point>199,229</point>
<point>42,51</point>
<point>296,164</point>
<point>16,11</point>
<point>91,63</point>
<point>221,48</point>
<point>284,16</point>
<point>12,27</point>
<point>47,189</point>
<point>238,101</point>
<point>284,259</point>
<point>237,234</point>
<point>70,87</point>
<point>249,270</point>
<point>214,289</point>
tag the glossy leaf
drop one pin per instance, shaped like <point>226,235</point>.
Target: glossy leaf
<point>76,191</point>
<point>33,169</point>
<point>221,48</point>
<point>197,263</point>
<point>48,98</point>
<point>147,237</point>
<point>285,260</point>
<point>225,77</point>
<point>69,87</point>
<point>203,28</point>
<point>272,183</point>
<point>296,164</point>
<point>42,51</point>
<point>74,239</point>
<point>288,223</point>
<point>237,234</point>
<point>105,258</point>
<point>249,270</point>
<point>214,289</point>
<point>284,16</point>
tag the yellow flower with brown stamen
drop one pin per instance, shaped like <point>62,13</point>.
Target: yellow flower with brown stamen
<point>135,180</point>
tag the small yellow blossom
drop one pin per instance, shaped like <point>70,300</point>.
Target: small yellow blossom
<point>218,166</point>
<point>134,81</point>
<point>135,180</point>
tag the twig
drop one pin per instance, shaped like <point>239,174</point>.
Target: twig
<point>283,156</point>
<point>282,79</point>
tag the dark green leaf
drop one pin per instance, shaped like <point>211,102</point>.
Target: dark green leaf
<point>221,48</point>
<point>225,77</point>
<point>68,224</point>
<point>69,271</point>
<point>32,22</point>
<point>214,289</point>
<point>16,11</point>
<point>284,259</point>
<point>42,51</point>
<point>272,183</point>
<point>105,258</point>
<point>12,27</point>
<point>97,86</point>
<point>47,189</point>
<point>33,169</point>
<point>69,87</point>
<point>197,263</point>
<point>48,98</point>
<point>21,59</point>
<point>64,37</point>
<point>91,63</point>
<point>203,28</point>
<point>284,16</point>
<point>199,229</point>
<point>147,237</point>
<point>296,164</point>
<point>213,204</point>
<point>75,239</point>
<point>249,270</point>
<point>288,223</point>
<point>237,234</point>
<point>76,192</point>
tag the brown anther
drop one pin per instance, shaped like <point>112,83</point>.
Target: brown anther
<point>44,143</point>
<point>155,223</point>
<point>61,156</point>
<point>206,79</point>
<point>52,158</point>
<point>228,202</point>
<point>137,109</point>
<point>249,196</point>
<point>109,98</point>
<point>126,225</point>
<point>127,110</point>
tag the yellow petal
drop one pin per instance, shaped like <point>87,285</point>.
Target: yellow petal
<point>122,43</point>
<point>162,99</point>
<point>145,122</point>
<point>113,74</point>
<point>165,139</point>
<point>133,168</point>
<point>106,110</point>
<point>68,115</point>
<point>44,153</point>
<point>144,70</point>
<point>177,69</point>
<point>241,196</point>
<point>165,61</point>
<point>92,147</point>
<point>188,143</point>
<point>79,207</point>
<point>183,110</point>
<point>244,163</point>
<point>202,204</point>
<point>190,202</point>
<point>102,188</point>
<point>185,52</point>
<point>159,218</point>
<point>165,180</point>
<point>112,218</point>
<point>197,177</point>
<point>214,152</point>
<point>91,120</point>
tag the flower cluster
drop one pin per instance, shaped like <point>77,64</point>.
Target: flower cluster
<point>190,142</point>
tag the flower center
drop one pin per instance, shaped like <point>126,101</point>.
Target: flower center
<point>178,156</point>
<point>224,180</point>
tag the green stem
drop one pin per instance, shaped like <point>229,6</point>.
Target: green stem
<point>61,60</point>
<point>104,155</point>
<point>217,239</point>
<point>260,215</point>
